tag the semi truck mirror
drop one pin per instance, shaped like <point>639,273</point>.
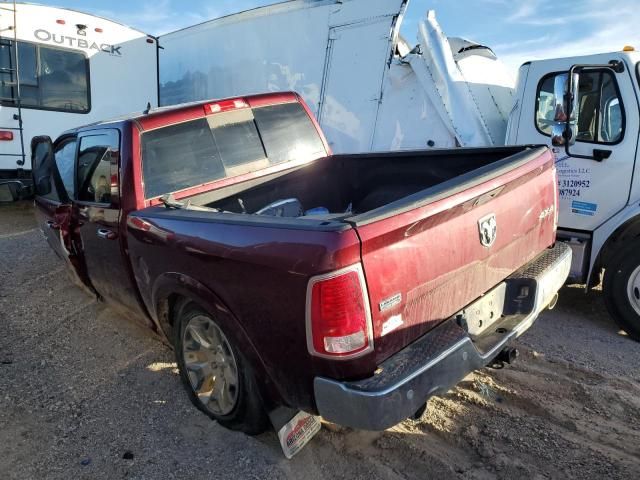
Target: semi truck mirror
<point>572,108</point>
<point>559,92</point>
<point>565,102</point>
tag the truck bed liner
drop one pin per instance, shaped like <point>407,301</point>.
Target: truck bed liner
<point>376,186</point>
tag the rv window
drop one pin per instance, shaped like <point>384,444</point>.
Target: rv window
<point>600,109</point>
<point>6,74</point>
<point>27,54</point>
<point>50,78</point>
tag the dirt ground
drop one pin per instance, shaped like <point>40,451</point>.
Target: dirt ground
<point>81,388</point>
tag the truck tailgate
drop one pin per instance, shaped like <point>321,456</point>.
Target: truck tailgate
<point>426,263</point>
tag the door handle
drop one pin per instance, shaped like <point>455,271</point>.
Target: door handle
<point>600,155</point>
<point>52,225</point>
<point>106,234</point>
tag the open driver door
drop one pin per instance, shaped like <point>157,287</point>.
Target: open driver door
<point>53,203</point>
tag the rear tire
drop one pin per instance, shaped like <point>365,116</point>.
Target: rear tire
<point>218,378</point>
<point>621,287</point>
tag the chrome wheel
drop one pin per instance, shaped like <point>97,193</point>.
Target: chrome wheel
<point>211,366</point>
<point>633,289</point>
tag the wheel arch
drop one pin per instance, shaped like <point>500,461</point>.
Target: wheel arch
<point>171,291</point>
<point>610,238</point>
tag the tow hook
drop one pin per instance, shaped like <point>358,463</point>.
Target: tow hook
<point>507,355</point>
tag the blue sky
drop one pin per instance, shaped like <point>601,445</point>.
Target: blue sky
<point>517,30</point>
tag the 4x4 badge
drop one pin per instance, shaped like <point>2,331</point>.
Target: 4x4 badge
<point>488,228</point>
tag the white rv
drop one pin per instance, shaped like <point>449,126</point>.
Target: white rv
<point>59,69</point>
<point>369,88</point>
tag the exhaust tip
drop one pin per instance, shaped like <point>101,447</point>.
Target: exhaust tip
<point>553,302</point>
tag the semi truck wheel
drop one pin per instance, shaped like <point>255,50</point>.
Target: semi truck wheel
<point>219,380</point>
<point>622,290</point>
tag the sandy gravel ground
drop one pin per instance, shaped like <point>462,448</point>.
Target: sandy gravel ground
<point>86,394</point>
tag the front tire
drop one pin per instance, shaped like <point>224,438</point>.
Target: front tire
<point>621,287</point>
<point>217,377</point>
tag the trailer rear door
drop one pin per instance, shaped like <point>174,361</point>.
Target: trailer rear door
<point>348,106</point>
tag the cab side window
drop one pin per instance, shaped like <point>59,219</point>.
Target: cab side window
<point>600,110</point>
<point>64,155</point>
<point>98,154</point>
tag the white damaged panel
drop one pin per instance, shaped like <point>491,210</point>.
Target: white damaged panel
<point>343,58</point>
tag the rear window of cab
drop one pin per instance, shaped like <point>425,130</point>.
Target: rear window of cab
<point>225,145</point>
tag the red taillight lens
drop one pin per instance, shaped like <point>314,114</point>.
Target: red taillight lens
<point>6,135</point>
<point>139,224</point>
<point>339,319</point>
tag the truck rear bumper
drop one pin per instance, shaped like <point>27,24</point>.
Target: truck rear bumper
<point>444,356</point>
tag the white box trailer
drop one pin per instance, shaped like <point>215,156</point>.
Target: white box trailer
<point>59,69</point>
<point>369,88</point>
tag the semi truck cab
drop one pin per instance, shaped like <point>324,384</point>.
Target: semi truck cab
<point>587,108</point>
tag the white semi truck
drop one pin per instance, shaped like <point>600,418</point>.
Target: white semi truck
<point>588,109</point>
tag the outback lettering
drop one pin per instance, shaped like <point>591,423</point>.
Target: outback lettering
<point>46,36</point>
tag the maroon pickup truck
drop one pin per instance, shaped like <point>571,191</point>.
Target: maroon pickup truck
<point>285,277</point>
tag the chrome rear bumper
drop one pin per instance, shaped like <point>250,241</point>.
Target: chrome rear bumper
<point>445,355</point>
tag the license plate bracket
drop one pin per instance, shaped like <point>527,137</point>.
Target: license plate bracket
<point>484,312</point>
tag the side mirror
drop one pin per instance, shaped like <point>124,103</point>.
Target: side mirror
<point>567,110</point>
<point>565,101</point>
<point>41,164</point>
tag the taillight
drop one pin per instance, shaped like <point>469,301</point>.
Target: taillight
<point>6,135</point>
<point>139,224</point>
<point>338,315</point>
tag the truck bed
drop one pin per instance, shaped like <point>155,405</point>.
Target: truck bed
<point>362,188</point>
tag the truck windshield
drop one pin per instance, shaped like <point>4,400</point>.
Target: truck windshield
<point>50,78</point>
<point>226,145</point>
